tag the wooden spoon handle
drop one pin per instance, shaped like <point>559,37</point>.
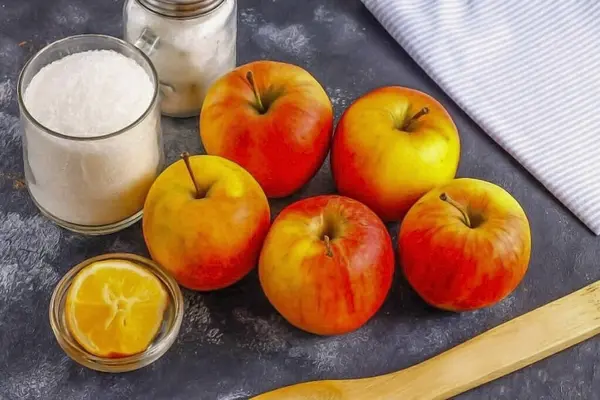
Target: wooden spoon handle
<point>505,349</point>
<point>497,352</point>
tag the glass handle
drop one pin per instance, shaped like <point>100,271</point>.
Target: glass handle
<point>166,89</point>
<point>148,43</point>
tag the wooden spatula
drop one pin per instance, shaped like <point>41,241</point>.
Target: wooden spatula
<point>497,352</point>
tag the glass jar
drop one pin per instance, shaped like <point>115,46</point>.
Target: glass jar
<point>92,184</point>
<point>192,43</point>
<point>165,338</point>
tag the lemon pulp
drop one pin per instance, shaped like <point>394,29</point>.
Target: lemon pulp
<point>115,308</point>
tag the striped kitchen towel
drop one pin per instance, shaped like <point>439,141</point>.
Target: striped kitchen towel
<point>527,72</point>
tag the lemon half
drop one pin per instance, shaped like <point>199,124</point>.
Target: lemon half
<point>115,308</point>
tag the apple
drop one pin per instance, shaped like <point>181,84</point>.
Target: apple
<point>273,119</point>
<point>391,147</point>
<point>327,264</point>
<point>205,220</point>
<point>465,245</point>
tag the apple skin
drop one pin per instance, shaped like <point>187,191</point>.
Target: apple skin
<point>376,162</point>
<point>212,242</point>
<point>321,293</point>
<point>456,267</point>
<point>282,148</point>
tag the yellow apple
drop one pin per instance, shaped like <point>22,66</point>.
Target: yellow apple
<point>205,220</point>
<point>391,147</point>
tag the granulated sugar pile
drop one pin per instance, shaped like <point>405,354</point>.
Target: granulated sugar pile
<point>89,94</point>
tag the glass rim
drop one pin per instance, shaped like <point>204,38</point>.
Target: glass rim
<point>39,125</point>
<point>121,364</point>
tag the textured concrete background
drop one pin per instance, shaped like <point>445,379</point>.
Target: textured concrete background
<point>232,343</point>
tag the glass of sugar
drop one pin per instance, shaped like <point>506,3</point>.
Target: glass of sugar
<point>192,43</point>
<point>92,141</point>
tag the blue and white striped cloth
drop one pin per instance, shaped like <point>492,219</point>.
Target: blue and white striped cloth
<point>527,72</point>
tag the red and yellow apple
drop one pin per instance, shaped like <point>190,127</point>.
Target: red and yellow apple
<point>273,119</point>
<point>465,245</point>
<point>391,147</point>
<point>327,264</point>
<point>205,220</point>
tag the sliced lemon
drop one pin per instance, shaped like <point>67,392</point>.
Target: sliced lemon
<point>114,308</point>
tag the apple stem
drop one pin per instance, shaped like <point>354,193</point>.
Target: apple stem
<point>458,206</point>
<point>328,246</point>
<point>250,78</point>
<point>186,159</point>
<point>422,111</point>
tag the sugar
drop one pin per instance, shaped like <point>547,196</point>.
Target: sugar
<point>191,54</point>
<point>86,95</point>
<point>91,93</point>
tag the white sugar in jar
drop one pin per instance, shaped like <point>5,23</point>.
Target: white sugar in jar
<point>92,142</point>
<point>191,43</point>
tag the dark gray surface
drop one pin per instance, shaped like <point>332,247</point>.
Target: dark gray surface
<point>232,342</point>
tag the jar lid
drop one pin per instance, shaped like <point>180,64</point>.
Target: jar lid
<point>181,8</point>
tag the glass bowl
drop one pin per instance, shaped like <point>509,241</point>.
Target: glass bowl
<point>162,342</point>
